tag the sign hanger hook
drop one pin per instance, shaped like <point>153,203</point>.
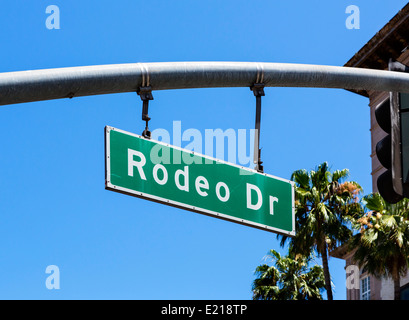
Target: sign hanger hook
<point>146,94</point>
<point>258,90</point>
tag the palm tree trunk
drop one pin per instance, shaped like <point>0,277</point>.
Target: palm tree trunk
<point>327,275</point>
<point>396,287</point>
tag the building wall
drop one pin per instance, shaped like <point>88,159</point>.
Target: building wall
<point>386,292</point>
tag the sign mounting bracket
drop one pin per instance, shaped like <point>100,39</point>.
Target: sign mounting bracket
<point>258,90</point>
<point>146,94</point>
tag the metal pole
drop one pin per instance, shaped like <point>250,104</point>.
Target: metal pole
<point>37,85</point>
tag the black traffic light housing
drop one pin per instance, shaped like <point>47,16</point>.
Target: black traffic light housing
<point>393,150</point>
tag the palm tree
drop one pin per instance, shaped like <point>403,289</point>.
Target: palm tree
<point>322,202</point>
<point>289,279</point>
<point>382,244</point>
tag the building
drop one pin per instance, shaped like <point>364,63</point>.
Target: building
<point>391,41</point>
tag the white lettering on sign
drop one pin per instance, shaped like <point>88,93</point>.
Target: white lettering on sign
<point>202,183</point>
<point>259,202</point>
<point>272,200</point>
<point>254,199</point>
<point>185,174</point>
<point>226,189</point>
<point>155,174</point>
<point>139,164</point>
<point>257,205</point>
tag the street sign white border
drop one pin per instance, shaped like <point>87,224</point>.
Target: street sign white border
<point>112,187</point>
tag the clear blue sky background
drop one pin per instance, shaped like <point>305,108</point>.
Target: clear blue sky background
<point>53,206</point>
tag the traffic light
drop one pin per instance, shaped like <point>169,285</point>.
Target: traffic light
<point>393,150</point>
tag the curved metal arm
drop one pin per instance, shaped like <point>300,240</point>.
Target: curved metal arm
<point>47,84</point>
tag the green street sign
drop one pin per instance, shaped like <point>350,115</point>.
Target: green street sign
<point>163,173</point>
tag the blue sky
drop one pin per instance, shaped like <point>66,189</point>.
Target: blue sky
<point>54,208</point>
